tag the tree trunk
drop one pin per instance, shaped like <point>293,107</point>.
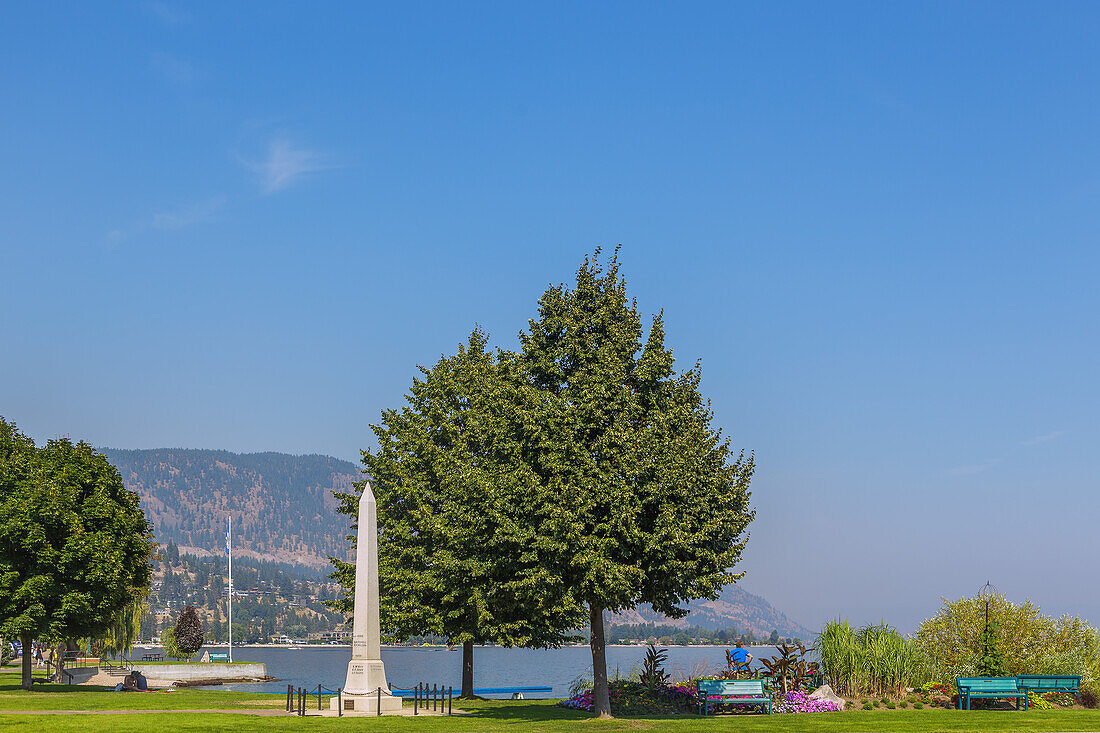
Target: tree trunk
<point>467,669</point>
<point>59,663</point>
<point>27,654</point>
<point>601,698</point>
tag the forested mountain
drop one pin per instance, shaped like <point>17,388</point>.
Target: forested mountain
<point>283,511</point>
<point>282,505</point>
<point>735,607</point>
<point>269,598</point>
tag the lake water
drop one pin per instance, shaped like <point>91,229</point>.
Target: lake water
<point>493,666</point>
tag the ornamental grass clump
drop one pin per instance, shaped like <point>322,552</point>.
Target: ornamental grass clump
<point>875,659</point>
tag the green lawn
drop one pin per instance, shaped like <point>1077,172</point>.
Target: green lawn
<point>511,716</point>
<point>82,697</point>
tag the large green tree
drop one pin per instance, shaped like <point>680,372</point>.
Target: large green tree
<point>642,500</point>
<point>459,512</point>
<point>74,543</point>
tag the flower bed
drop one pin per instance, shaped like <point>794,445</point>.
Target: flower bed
<point>634,698</point>
<point>799,702</point>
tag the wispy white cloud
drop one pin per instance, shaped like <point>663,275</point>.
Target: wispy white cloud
<point>973,468</point>
<point>1046,438</point>
<point>202,211</point>
<point>976,468</point>
<point>167,13</point>
<point>283,164</point>
<point>172,69</point>
<point>169,219</point>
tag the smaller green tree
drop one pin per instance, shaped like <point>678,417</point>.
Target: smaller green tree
<point>460,553</point>
<point>168,643</point>
<point>188,632</point>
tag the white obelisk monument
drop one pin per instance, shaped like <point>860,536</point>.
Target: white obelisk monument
<point>366,689</point>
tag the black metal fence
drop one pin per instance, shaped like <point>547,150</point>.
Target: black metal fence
<point>423,697</point>
<point>436,698</point>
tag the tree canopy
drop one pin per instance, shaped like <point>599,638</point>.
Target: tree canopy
<point>520,492</point>
<point>74,543</point>
<point>645,502</point>
<point>460,553</point>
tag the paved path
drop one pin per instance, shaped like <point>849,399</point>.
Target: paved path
<point>405,712</point>
<point>242,711</point>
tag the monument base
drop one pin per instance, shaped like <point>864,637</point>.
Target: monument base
<point>366,703</point>
<point>361,691</point>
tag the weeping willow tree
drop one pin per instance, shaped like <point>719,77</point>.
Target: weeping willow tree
<point>125,628</point>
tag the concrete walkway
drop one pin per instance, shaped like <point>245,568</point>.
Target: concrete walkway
<point>244,711</point>
<point>405,712</point>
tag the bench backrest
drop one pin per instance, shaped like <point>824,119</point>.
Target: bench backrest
<point>987,684</point>
<point>753,688</point>
<point>1049,681</point>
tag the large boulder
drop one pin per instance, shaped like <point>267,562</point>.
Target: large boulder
<point>825,692</point>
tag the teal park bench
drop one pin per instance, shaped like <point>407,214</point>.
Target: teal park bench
<point>743,692</point>
<point>989,687</point>
<point>1040,683</point>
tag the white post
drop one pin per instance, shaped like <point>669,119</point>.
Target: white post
<point>229,552</point>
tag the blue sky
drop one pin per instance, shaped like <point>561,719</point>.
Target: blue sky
<point>242,226</point>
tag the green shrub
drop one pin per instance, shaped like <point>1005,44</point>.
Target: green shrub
<point>876,703</point>
<point>918,705</point>
<point>911,699</point>
<point>890,706</point>
<point>903,704</point>
<point>885,700</point>
<point>1021,640</point>
<point>864,701</point>
<point>868,706</point>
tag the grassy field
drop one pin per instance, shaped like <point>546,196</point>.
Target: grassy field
<point>504,716</point>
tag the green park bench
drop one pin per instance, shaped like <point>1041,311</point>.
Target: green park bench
<point>1040,683</point>
<point>742,692</point>
<point>989,687</point>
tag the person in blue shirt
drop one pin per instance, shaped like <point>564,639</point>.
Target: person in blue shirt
<point>739,655</point>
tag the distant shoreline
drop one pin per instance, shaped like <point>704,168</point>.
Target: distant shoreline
<point>443,647</point>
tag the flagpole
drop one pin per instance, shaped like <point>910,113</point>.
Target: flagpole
<point>229,552</point>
